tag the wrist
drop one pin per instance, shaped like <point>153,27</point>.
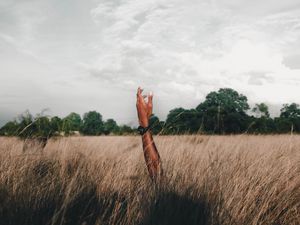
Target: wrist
<point>143,130</point>
<point>144,124</point>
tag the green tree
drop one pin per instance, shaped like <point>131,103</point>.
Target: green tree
<point>261,123</point>
<point>182,121</point>
<point>126,130</point>
<point>224,112</point>
<point>283,125</point>
<point>73,121</point>
<point>290,111</point>
<point>26,126</point>
<point>289,119</point>
<point>92,124</point>
<point>174,122</point>
<point>42,127</point>
<point>9,129</point>
<point>156,124</point>
<point>111,127</point>
<point>56,124</point>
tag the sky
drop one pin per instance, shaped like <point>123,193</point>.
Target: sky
<point>81,55</point>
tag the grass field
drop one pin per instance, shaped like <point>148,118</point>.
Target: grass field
<point>103,180</point>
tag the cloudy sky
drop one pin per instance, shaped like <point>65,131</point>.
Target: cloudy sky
<point>81,55</point>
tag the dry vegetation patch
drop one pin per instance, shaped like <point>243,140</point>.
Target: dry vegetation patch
<point>103,180</point>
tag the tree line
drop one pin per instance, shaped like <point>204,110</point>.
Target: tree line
<point>222,112</point>
<point>28,126</point>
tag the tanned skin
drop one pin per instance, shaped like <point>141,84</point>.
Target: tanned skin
<point>152,158</point>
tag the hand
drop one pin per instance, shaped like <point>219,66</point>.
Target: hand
<point>144,109</point>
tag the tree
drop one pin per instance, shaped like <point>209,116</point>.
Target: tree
<point>290,111</point>
<point>289,119</point>
<point>56,124</point>
<point>125,130</point>
<point>156,124</point>
<point>73,121</point>
<point>261,123</point>
<point>261,110</point>
<point>9,129</point>
<point>42,127</point>
<point>111,127</point>
<point>224,111</point>
<point>174,121</point>
<point>227,98</point>
<point>26,126</point>
<point>283,125</point>
<point>92,124</point>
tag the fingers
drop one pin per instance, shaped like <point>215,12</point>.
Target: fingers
<point>141,100</point>
<point>150,98</point>
<point>139,91</point>
<point>150,104</point>
<point>139,96</point>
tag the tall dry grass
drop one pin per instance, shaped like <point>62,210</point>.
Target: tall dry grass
<point>103,180</point>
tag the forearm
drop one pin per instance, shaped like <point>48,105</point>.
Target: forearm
<point>144,111</point>
<point>151,155</point>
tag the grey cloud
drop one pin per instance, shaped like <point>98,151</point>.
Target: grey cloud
<point>292,61</point>
<point>259,78</point>
<point>66,50</point>
<point>260,8</point>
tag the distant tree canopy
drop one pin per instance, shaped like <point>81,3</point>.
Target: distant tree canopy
<point>92,124</point>
<point>222,112</point>
<point>71,122</point>
<point>111,127</point>
<point>28,126</point>
<point>289,119</point>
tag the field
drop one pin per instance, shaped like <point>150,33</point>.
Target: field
<point>103,180</point>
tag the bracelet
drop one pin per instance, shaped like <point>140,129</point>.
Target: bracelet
<point>143,130</point>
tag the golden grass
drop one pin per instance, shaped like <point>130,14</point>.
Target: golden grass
<point>103,180</point>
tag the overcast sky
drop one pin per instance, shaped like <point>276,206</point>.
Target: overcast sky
<point>81,55</point>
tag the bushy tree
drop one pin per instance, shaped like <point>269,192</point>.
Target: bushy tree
<point>290,111</point>
<point>174,122</point>
<point>283,125</point>
<point>224,112</point>
<point>289,119</point>
<point>126,130</point>
<point>26,126</point>
<point>261,123</point>
<point>56,124</point>
<point>111,127</point>
<point>43,127</point>
<point>92,124</point>
<point>183,121</point>
<point>71,123</point>
<point>156,125</point>
<point>9,129</point>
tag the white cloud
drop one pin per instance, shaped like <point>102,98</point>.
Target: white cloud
<point>202,45</point>
<point>179,49</point>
